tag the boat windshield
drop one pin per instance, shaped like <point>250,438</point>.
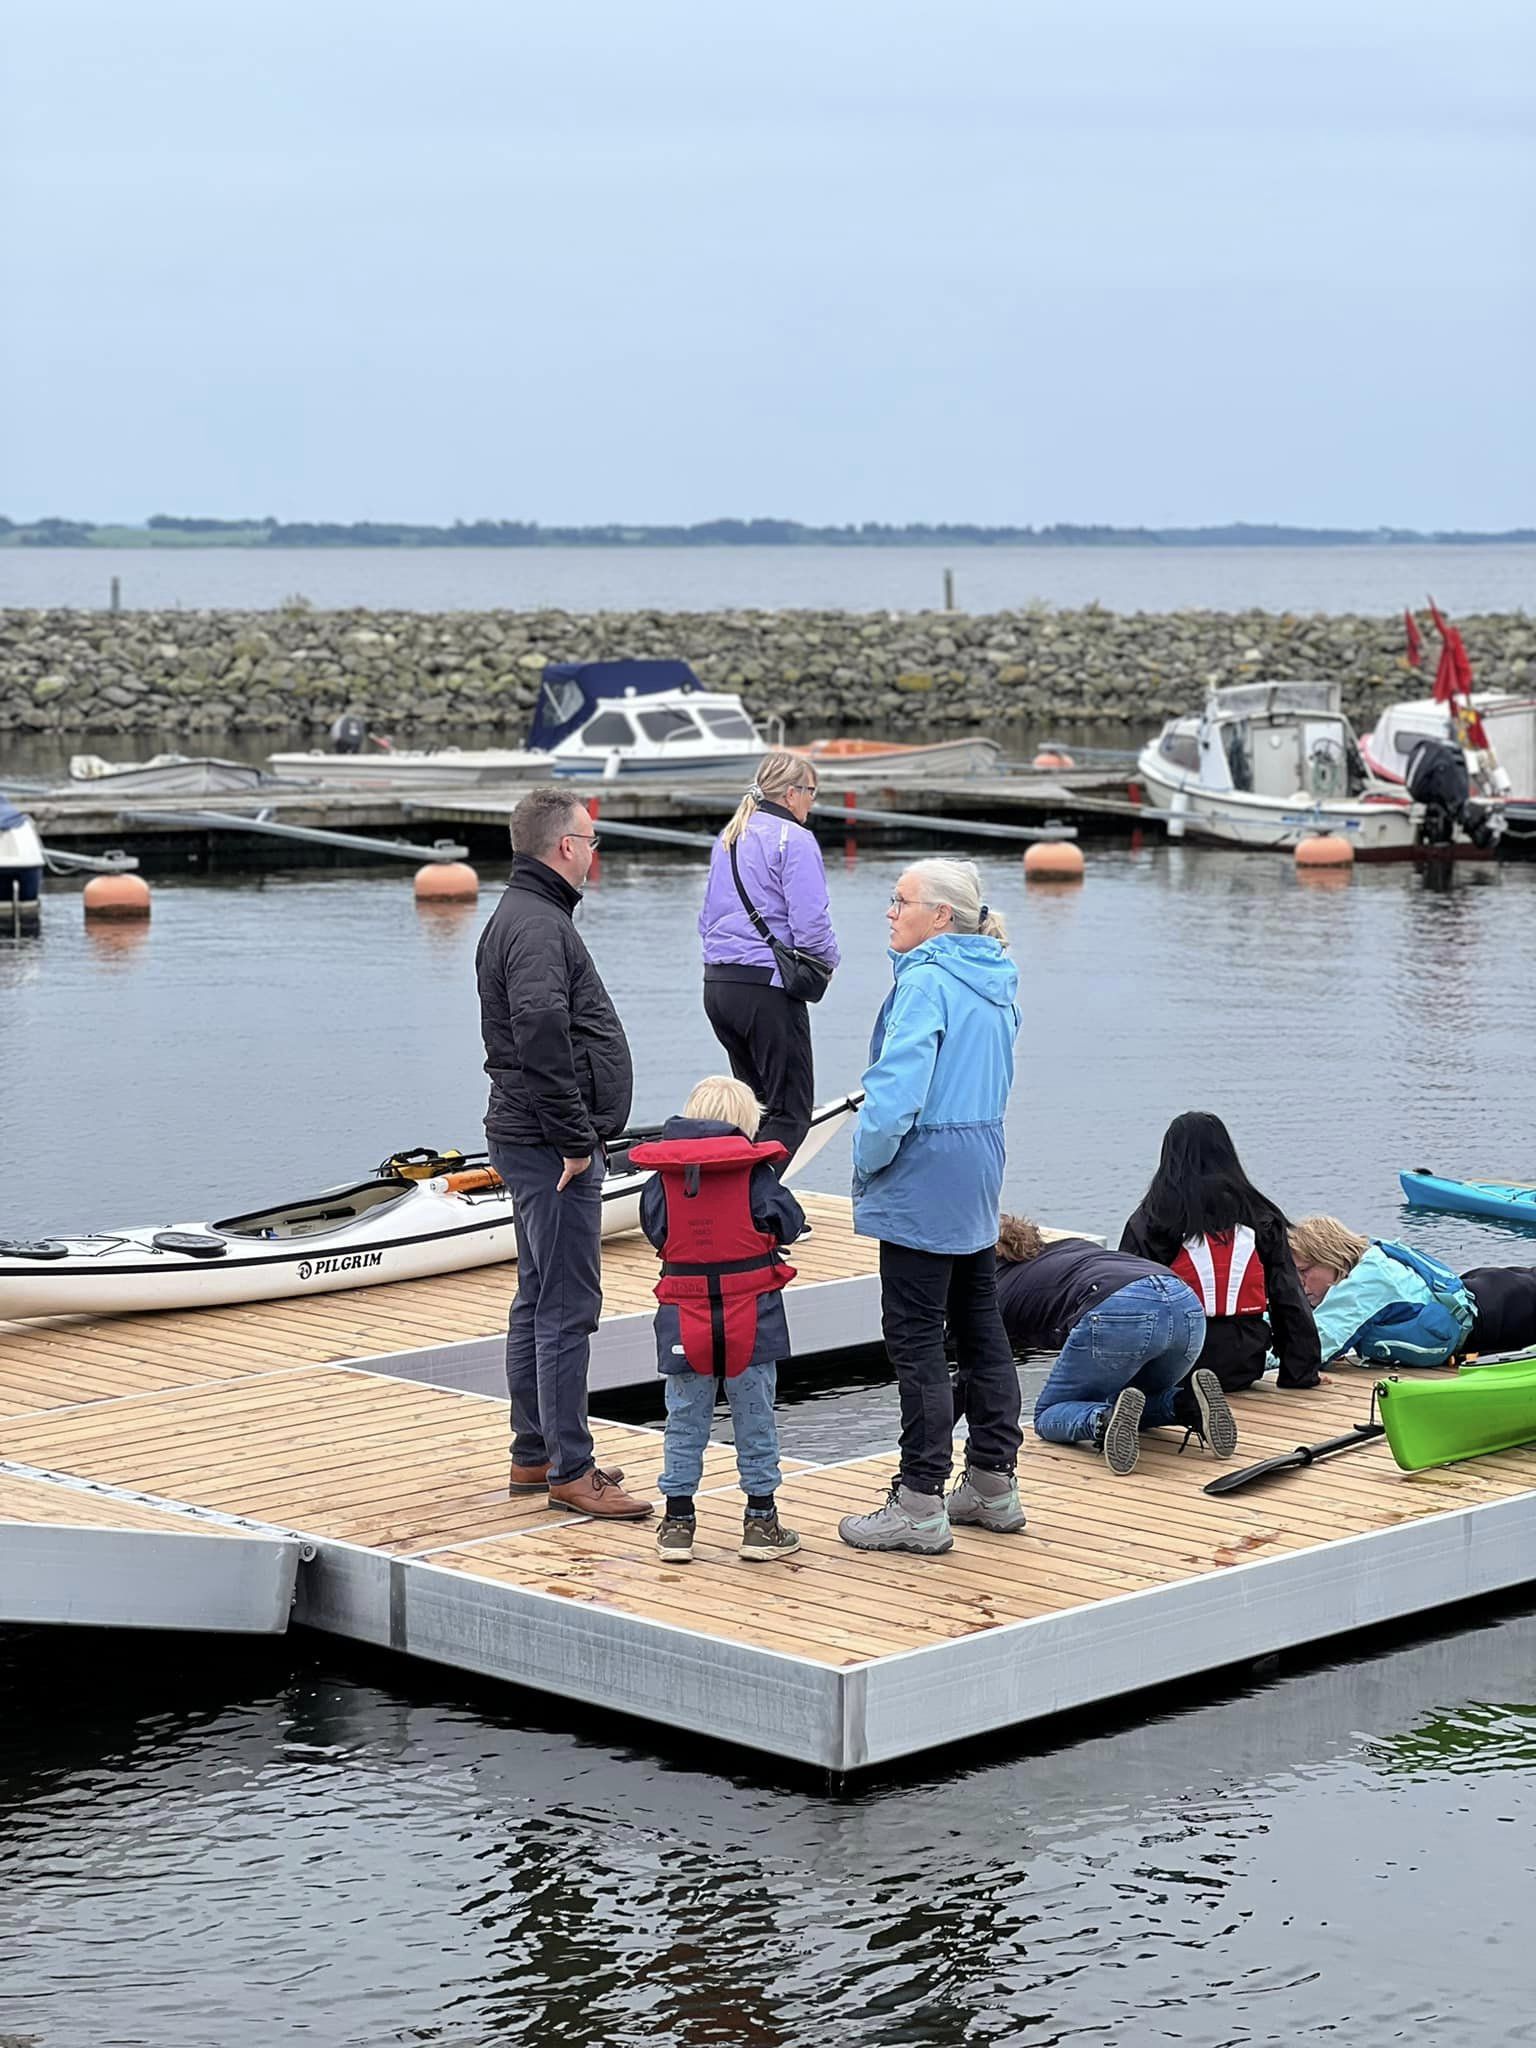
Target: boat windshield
<point>668,722</point>
<point>1271,700</point>
<point>727,724</point>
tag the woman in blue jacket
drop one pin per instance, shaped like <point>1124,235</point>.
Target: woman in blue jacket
<point>927,1182</point>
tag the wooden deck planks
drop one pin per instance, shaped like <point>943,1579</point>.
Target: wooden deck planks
<point>63,1362</point>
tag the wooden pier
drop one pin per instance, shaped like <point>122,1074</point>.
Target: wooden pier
<point>321,1431</point>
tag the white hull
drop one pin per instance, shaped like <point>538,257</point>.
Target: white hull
<point>1380,831</point>
<point>203,776</point>
<point>431,768</point>
<point>425,1230</point>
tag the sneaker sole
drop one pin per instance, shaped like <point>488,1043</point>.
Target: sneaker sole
<point>758,1553</point>
<point>919,1548</point>
<point>1216,1423</point>
<point>674,1556</point>
<point>1122,1438</point>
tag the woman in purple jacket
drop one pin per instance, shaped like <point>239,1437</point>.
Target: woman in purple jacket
<point>766,1033</point>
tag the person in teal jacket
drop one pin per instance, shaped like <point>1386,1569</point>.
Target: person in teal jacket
<point>927,1182</point>
<point>1379,1299</point>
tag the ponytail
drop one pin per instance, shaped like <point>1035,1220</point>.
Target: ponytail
<point>777,774</point>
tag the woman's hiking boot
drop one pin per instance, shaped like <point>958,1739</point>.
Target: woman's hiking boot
<point>674,1539</point>
<point>987,1500</point>
<point>764,1537</point>
<point>1216,1428</point>
<point>904,1521</point>
<point>1117,1432</point>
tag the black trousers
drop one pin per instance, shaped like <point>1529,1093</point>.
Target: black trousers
<point>919,1292</point>
<point>767,1039</point>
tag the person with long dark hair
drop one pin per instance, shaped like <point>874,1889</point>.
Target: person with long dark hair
<point>1204,1219</point>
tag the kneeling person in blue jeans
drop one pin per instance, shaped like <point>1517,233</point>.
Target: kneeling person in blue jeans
<point>1127,1332</point>
<point>718,1215</point>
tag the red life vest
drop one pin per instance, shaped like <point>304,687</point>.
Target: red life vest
<point>1225,1270</point>
<point>716,1263</point>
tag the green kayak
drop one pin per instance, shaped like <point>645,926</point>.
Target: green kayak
<point>1438,1422</point>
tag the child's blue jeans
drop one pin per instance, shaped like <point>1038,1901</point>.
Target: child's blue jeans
<point>690,1406</point>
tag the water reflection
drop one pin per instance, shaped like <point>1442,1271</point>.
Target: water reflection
<point>265,1831</point>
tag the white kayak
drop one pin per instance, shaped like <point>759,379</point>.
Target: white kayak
<point>420,1214</point>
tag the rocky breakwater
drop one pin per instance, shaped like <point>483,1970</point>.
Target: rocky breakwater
<point>451,675</point>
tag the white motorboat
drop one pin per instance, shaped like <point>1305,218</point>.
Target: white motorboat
<point>162,775</point>
<point>1504,770</point>
<point>1270,764</point>
<point>598,719</point>
<point>21,871</point>
<point>422,1213</point>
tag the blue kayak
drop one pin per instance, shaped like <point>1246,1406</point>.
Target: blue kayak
<point>1426,1190</point>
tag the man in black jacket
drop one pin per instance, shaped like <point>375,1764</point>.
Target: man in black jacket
<point>561,1082</point>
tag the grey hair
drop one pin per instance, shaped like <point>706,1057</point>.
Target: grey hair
<point>956,884</point>
<point>541,820</point>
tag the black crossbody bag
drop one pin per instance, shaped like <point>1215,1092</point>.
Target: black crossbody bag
<point>805,978</point>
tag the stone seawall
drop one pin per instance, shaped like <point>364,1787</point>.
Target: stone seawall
<point>453,673</point>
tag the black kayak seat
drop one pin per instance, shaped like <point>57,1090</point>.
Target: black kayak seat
<point>34,1248</point>
<point>192,1244</point>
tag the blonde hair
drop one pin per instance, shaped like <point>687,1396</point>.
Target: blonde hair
<point>957,885</point>
<point>1325,1241</point>
<point>1018,1240</point>
<point>718,1099</point>
<point>777,774</point>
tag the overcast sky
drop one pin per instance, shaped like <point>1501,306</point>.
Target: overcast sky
<point>1003,260</point>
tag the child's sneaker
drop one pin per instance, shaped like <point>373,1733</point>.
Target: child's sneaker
<point>764,1537</point>
<point>674,1539</point>
<point>987,1500</point>
<point>1216,1428</point>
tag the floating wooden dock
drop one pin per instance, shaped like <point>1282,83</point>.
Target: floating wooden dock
<point>317,1430</point>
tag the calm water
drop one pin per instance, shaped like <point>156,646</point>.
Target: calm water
<point>1354,579</point>
<point>202,1851</point>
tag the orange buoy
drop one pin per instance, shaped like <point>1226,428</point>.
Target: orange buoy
<point>116,896</point>
<point>1053,757</point>
<point>1053,860</point>
<point>446,881</point>
<point>1325,850</point>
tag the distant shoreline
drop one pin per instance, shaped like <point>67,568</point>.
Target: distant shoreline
<point>164,531</point>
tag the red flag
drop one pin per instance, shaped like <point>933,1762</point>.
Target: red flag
<point>1453,680</point>
<point>1415,642</point>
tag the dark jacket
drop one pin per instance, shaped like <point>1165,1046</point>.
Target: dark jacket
<point>555,1050</point>
<point>774,1209</point>
<point>1042,1298</point>
<point>1505,1300</point>
<point>1235,1346</point>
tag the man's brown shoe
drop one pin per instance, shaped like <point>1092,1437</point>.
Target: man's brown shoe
<point>594,1493</point>
<point>534,1478</point>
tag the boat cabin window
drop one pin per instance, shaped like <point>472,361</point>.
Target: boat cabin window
<point>1182,749</point>
<point>667,722</point>
<point>728,725</point>
<point>608,729</point>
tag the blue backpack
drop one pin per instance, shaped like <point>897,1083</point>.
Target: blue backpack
<point>1418,1332</point>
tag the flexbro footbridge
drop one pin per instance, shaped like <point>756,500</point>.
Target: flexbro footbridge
<point>342,1461</point>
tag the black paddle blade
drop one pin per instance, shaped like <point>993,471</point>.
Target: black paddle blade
<point>1297,1461</point>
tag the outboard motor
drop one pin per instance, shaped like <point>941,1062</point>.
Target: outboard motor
<point>348,734</point>
<point>1437,778</point>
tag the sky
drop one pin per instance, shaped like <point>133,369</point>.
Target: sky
<point>1012,261</point>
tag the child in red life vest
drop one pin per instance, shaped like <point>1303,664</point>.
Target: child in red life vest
<point>716,1212</point>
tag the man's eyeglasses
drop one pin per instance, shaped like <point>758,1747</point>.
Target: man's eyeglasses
<point>593,839</point>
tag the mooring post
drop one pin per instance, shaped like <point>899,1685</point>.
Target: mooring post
<point>949,590</point>
<point>116,604</point>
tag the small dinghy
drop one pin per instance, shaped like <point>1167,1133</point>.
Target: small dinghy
<point>1505,1201</point>
<point>421,1213</point>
